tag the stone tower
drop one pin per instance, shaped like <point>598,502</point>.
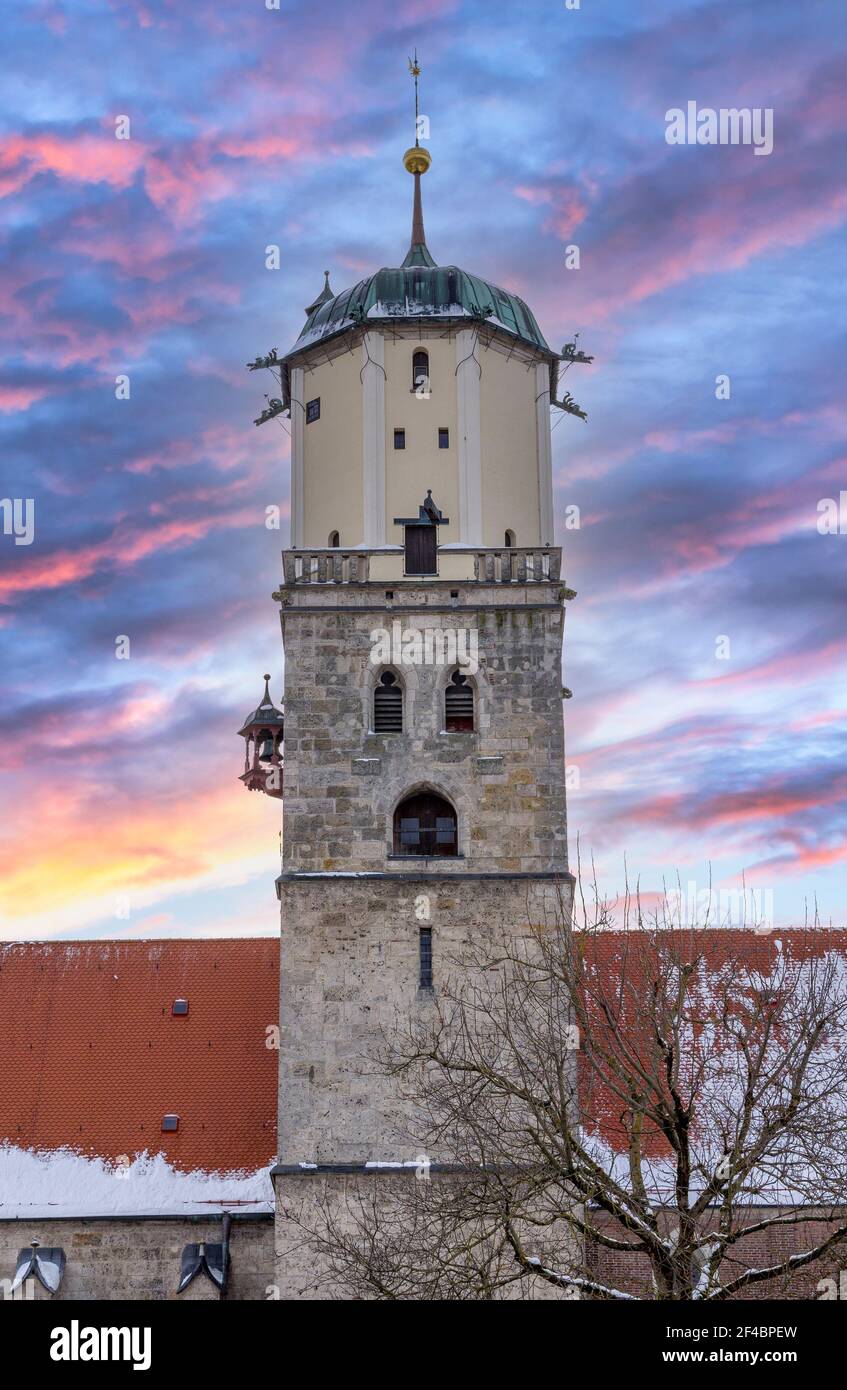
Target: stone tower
<point>422,615</point>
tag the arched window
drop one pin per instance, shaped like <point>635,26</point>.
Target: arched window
<point>420,371</point>
<point>425,824</point>
<point>388,705</point>
<point>510,539</point>
<point>458,704</point>
<point>334,540</point>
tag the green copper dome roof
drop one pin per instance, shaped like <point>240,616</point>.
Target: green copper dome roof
<point>421,290</point>
<point>418,289</point>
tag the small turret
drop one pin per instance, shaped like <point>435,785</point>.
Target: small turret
<point>325,295</point>
<point>262,731</point>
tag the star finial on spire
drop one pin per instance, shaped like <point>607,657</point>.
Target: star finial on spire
<point>417,160</point>
<point>414,69</point>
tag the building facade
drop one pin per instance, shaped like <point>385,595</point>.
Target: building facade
<point>420,764</point>
<point>422,610</point>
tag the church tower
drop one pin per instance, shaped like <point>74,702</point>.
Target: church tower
<point>422,610</point>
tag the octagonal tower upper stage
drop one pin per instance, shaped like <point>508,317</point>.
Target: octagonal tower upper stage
<point>420,378</point>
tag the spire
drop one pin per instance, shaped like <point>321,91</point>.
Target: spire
<point>325,294</point>
<point>418,235</point>
<point>417,160</point>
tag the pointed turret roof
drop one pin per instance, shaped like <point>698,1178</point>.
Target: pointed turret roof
<point>265,716</point>
<point>325,294</point>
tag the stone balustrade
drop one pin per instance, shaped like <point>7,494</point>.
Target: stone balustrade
<point>326,566</point>
<point>519,565</point>
<point>483,564</point>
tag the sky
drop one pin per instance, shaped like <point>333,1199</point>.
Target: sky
<point>707,646</point>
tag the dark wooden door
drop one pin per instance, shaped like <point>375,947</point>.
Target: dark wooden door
<point>421,543</point>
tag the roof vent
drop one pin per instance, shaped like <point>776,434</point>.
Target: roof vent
<point>170,1123</point>
<point>179,1006</point>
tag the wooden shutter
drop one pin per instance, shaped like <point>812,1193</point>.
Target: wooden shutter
<point>445,830</point>
<point>410,831</point>
<point>421,545</point>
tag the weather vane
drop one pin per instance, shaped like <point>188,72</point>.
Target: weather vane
<point>414,69</point>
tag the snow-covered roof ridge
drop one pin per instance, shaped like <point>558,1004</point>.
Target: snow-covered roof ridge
<point>63,1183</point>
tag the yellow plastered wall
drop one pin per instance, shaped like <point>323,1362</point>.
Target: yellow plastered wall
<point>332,453</point>
<point>509,449</point>
<point>333,463</point>
<point>421,465</point>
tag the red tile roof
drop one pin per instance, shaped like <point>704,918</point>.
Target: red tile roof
<point>620,968</point>
<point>93,1058</point>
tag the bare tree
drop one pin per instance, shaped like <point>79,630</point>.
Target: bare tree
<point>610,1082</point>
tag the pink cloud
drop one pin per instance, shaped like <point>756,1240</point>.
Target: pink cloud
<point>127,546</point>
<point>802,861</point>
<point>179,181</point>
<point>567,205</point>
<point>767,809</point>
<point>714,231</point>
<point>84,158</point>
<point>69,729</point>
<point>148,256</point>
<point>796,667</point>
<point>14,398</point>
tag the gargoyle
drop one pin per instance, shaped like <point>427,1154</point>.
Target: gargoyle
<point>274,407</point>
<point>270,361</point>
<point>571,353</point>
<point>569,404</point>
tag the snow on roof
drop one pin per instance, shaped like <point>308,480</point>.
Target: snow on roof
<point>728,964</point>
<point>59,1182</point>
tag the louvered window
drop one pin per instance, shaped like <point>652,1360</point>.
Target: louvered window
<point>388,705</point>
<point>458,704</point>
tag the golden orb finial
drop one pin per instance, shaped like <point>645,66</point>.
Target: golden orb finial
<point>417,160</point>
